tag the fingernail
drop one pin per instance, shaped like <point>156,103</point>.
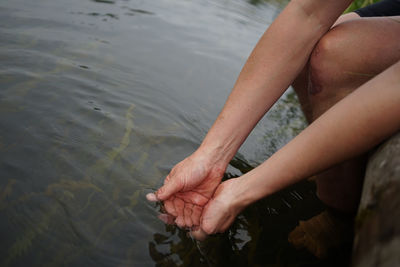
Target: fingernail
<point>151,197</point>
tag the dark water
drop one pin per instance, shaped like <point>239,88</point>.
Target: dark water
<point>98,101</point>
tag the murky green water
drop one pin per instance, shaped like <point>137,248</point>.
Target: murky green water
<point>98,101</point>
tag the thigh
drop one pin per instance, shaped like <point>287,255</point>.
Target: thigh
<point>374,41</point>
<point>369,44</point>
<point>349,55</point>
<point>353,51</point>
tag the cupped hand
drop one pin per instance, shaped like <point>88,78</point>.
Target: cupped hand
<point>222,209</point>
<point>214,217</point>
<point>188,188</point>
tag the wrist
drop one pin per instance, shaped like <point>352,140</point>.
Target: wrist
<point>240,195</point>
<point>252,188</point>
<point>215,156</point>
<point>245,194</point>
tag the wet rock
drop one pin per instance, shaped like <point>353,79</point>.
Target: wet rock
<point>377,238</point>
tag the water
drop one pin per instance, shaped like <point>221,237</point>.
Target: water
<point>98,101</point>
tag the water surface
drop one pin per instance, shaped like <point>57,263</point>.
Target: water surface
<point>98,101</point>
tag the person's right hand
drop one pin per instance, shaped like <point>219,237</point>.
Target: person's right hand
<point>188,188</point>
<point>222,209</point>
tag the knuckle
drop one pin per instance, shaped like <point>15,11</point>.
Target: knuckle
<point>160,192</point>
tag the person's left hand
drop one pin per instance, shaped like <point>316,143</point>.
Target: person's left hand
<point>215,217</point>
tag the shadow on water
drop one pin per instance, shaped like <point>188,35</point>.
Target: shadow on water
<point>258,237</point>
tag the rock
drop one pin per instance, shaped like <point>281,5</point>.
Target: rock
<point>377,232</point>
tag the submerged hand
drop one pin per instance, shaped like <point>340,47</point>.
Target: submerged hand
<point>222,209</point>
<point>188,188</point>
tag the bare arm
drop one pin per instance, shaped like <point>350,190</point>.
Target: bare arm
<point>276,60</point>
<point>352,126</point>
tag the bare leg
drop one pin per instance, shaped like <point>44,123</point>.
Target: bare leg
<point>347,56</point>
<point>302,81</point>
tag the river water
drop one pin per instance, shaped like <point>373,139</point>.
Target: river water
<point>98,101</point>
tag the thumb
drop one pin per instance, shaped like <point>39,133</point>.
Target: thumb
<point>168,189</point>
<point>209,219</point>
<point>198,234</point>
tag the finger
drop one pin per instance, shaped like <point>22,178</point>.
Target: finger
<point>179,206</point>
<point>216,218</point>
<point>166,218</point>
<point>151,197</point>
<point>166,180</point>
<point>211,218</point>
<point>187,212</point>
<point>198,234</point>
<point>170,207</point>
<point>170,187</point>
<point>180,222</point>
<point>196,214</point>
<point>193,197</point>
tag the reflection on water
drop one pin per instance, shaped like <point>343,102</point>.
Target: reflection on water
<point>98,100</point>
<point>257,238</point>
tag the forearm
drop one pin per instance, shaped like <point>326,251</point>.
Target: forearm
<point>276,60</point>
<point>351,127</point>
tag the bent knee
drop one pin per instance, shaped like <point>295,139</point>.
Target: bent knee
<point>353,52</point>
<point>329,60</point>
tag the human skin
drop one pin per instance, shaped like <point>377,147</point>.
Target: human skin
<point>352,52</point>
<point>190,196</point>
<point>263,79</point>
<point>352,126</point>
<point>184,198</point>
